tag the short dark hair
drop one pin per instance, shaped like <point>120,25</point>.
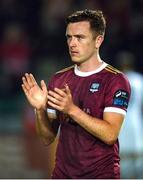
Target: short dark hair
<point>94,17</point>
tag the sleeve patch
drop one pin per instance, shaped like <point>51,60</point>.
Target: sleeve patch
<point>121,98</point>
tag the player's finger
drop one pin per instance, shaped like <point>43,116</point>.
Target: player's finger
<point>25,83</point>
<point>58,94</point>
<point>53,100</point>
<point>55,106</point>
<point>25,90</point>
<point>43,86</point>
<point>55,95</point>
<point>67,89</point>
<point>29,80</point>
<point>34,82</point>
<point>61,92</point>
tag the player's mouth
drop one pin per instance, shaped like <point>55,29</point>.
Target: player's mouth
<point>74,53</point>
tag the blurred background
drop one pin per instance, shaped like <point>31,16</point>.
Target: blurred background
<point>32,39</point>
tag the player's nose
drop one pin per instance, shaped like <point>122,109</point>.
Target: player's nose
<point>72,42</point>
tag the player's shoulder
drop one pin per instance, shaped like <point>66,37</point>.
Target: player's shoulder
<point>65,69</point>
<point>115,74</point>
<point>112,70</point>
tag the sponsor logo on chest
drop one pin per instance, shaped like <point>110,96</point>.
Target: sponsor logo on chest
<point>121,98</point>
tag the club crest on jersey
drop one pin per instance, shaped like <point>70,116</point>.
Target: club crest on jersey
<point>94,87</point>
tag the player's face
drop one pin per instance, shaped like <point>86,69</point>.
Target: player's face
<point>81,42</point>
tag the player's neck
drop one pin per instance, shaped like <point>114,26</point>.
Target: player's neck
<point>91,64</point>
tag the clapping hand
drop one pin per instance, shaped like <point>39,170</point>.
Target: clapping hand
<point>36,95</point>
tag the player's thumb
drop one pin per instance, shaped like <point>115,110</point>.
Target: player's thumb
<point>67,89</point>
<point>43,86</point>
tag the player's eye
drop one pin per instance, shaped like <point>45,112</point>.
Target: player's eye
<point>68,37</point>
<point>80,37</point>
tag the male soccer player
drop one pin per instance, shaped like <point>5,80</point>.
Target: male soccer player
<point>88,101</point>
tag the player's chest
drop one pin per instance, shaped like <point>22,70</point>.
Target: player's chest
<point>87,91</point>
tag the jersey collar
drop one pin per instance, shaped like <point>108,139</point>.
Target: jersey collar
<point>84,74</point>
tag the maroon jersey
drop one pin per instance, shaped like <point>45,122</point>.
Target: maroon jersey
<point>79,153</point>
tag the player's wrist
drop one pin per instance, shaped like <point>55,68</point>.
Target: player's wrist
<point>74,110</point>
<point>40,109</point>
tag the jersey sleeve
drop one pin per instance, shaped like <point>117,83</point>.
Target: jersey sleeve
<point>117,94</point>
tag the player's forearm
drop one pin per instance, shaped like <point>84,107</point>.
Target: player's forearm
<point>44,126</point>
<point>97,127</point>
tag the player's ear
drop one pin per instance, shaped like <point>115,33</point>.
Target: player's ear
<point>98,41</point>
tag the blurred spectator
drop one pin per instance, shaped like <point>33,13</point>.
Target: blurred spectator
<point>52,23</point>
<point>52,16</point>
<point>118,13</point>
<point>131,145</point>
<point>92,4</point>
<point>15,55</point>
<point>135,33</point>
<point>8,12</point>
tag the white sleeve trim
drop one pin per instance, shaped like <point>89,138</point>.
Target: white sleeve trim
<point>114,109</point>
<point>52,111</point>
